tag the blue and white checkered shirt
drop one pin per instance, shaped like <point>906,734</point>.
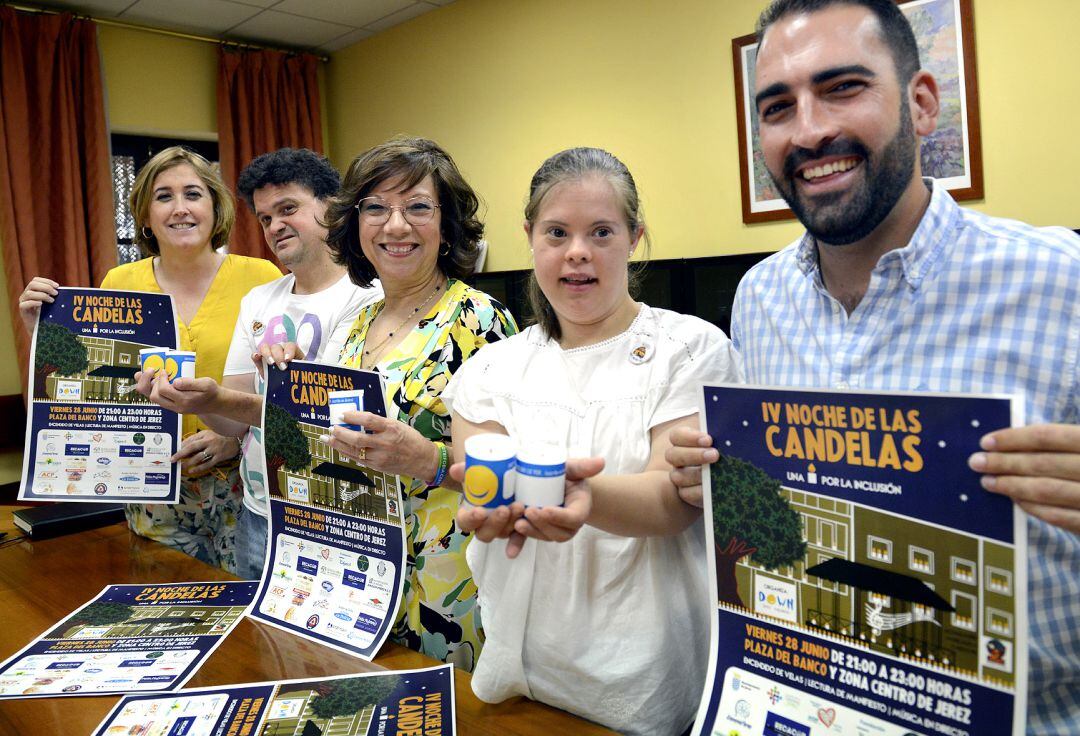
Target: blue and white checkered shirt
<point>972,304</point>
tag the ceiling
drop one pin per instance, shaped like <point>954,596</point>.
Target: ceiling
<point>322,26</point>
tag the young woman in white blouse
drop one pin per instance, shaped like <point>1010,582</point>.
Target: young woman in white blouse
<point>600,606</point>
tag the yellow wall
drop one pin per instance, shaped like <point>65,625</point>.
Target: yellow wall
<point>1028,80</point>
<point>159,84</point>
<point>162,85</point>
<point>503,84</point>
<point>10,383</point>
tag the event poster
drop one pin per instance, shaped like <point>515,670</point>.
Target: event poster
<point>336,561</point>
<point>369,704</point>
<point>865,582</point>
<point>129,638</point>
<point>90,436</point>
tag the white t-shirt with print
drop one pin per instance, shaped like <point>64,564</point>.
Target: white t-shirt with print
<point>319,323</point>
<point>611,628</point>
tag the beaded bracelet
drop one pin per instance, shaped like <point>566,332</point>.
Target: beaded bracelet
<point>444,465</point>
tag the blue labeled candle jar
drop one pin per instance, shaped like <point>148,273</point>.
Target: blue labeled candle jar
<point>152,359</point>
<point>179,364</point>
<point>541,475</point>
<point>490,470</point>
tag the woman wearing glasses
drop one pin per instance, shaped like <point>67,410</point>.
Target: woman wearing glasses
<point>406,216</point>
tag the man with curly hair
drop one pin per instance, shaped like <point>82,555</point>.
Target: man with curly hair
<point>312,307</point>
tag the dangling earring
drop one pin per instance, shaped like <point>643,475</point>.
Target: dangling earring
<point>445,252</point>
<point>147,233</point>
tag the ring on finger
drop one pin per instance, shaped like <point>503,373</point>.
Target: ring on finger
<point>206,456</point>
<point>362,453</point>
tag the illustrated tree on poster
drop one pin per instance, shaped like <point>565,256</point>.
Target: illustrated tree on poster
<point>285,445</point>
<point>98,613</point>
<point>348,697</point>
<point>58,350</point>
<point>750,517</point>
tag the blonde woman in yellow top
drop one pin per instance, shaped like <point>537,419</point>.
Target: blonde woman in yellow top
<point>184,214</point>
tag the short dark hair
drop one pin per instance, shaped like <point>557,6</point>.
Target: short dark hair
<point>894,27</point>
<point>407,160</point>
<point>288,166</point>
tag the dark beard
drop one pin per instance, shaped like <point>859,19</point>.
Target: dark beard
<point>847,217</point>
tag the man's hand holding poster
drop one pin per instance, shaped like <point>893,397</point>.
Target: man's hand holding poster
<point>90,436</point>
<point>865,583</point>
<point>336,560</point>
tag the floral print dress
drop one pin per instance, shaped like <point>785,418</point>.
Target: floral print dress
<point>439,616</point>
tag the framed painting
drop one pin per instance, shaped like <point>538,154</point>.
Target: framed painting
<point>952,154</point>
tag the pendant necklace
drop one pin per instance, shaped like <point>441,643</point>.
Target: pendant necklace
<point>376,349</point>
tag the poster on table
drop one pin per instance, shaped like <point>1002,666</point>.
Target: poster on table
<point>336,554</point>
<point>369,704</point>
<point>865,582</point>
<point>90,436</point>
<point>129,638</point>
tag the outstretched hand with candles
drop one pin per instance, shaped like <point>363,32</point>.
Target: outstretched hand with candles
<point>182,395</point>
<point>516,523</point>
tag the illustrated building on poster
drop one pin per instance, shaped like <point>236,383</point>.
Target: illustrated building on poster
<point>291,712</point>
<point>108,376</point>
<point>977,636</point>
<point>163,620</point>
<point>336,706</point>
<point>341,485</point>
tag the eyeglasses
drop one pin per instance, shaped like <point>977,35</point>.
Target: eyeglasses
<point>416,210</point>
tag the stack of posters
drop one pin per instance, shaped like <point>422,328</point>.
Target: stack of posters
<point>90,436</point>
<point>336,561</point>
<point>373,704</point>
<point>864,581</point>
<point>129,638</point>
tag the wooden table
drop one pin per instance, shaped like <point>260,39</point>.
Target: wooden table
<point>42,582</point>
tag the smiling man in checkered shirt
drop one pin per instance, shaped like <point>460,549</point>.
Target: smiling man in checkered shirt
<point>895,287</point>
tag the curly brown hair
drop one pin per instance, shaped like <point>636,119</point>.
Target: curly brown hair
<point>143,192</point>
<point>407,160</point>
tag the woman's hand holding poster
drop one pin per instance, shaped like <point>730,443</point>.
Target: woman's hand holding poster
<point>90,436</point>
